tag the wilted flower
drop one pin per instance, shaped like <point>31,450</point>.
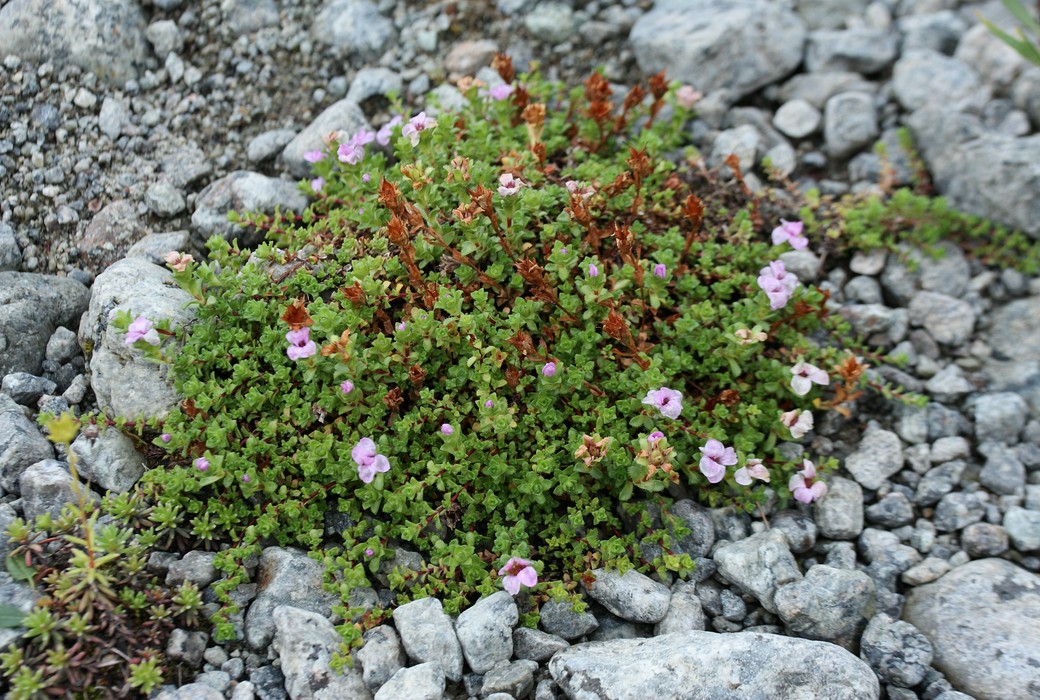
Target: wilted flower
<point>401,326</point>
<point>518,572</point>
<point>509,185</point>
<point>791,232</point>
<point>798,423</point>
<point>576,188</point>
<point>369,460</point>
<point>142,329</point>
<point>300,344</point>
<point>805,375</point>
<point>747,336</point>
<point>753,469</point>
<point>246,479</point>
<point>715,457</point>
<point>669,401</point>
<point>804,486</point>
<point>549,369</point>
<point>178,261</point>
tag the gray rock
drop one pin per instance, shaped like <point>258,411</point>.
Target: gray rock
<point>896,650</point>
<point>1023,528</point>
<point>559,617</point>
<point>925,572</point>
<point>26,389</point>
<point>759,565</point>
<point>997,63</point>
<point>62,346</point>
<point>191,691</point>
<point>21,444</point>
<point>865,290</point>
<point>892,511</point>
<point>268,144</point>
<point>164,200</point>
<point>46,487</point>
<point>186,166</point>
<point>243,191</point>
<point>244,16</point>
<point>684,610</point>
<point>423,681</point>
<point>344,115</point>
<point>803,263</point>
<point>196,566</point>
<point>354,28</point>
<point>381,656</point>
<point>868,262</point>
<point>536,645</point>
<point>849,123</point>
<point>550,22</point>
<point>949,384</point>
<point>879,456</point>
<point>958,509</point>
<point>1026,93</point>
<point>938,482</point>
<point>922,77</point>
<point>371,81</point>
<point>884,551</point>
<point>948,274</point>
<point>125,383</point>
<point>817,88</point>
<point>947,319</point>
<point>514,679</point>
<point>305,643</point>
<point>704,665</point>
<point>187,646</point>
<point>165,37</point>
<point>110,460</point>
<point>697,520</point>
<point>10,253</point>
<point>485,631</point>
<point>862,51</point>
<point>31,308</point>
<point>986,609</point>
<point>839,514</point>
<point>218,680</point>
<point>947,449</point>
<point>105,37</point>
<point>982,540</point>
<point>829,604</point>
<point>632,596</point>
<point>114,115</point>
<point>1000,417</point>
<point>1016,330</point>
<point>286,577</point>
<point>781,159</point>
<point>715,44</point>
<point>868,320</point>
<point>937,31</point>
<point>428,635</point>
<point>1003,473</point>
<point>613,627</point>
<point>154,247</point>
<point>743,142</point>
<point>798,528</point>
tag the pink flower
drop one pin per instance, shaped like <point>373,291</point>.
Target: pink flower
<point>165,437</point>
<point>383,135</point>
<point>686,96</point>
<point>549,369</point>
<point>202,464</point>
<point>654,436</point>
<point>500,92</point>
<point>317,184</point>
<point>416,125</point>
<point>369,461</point>
<point>805,375</point>
<point>351,152</point>
<point>715,457</point>
<point>300,344</point>
<point>798,423</point>
<point>660,270</point>
<point>401,326</point>
<point>804,486</point>
<point>369,551</point>
<point>246,479</point>
<point>366,178</point>
<point>178,261</point>
<point>509,185</point>
<point>668,401</point>
<point>347,386</point>
<point>489,404</point>
<point>791,232</point>
<point>777,283</point>
<point>518,572</point>
<point>576,188</point>
<point>446,429</point>
<point>364,137</point>
<point>141,329</point>
<point>314,156</point>
<point>593,270</point>
<point>753,469</point>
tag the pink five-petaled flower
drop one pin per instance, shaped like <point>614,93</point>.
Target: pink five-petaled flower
<point>669,401</point>
<point>369,461</point>
<point>549,369</point>
<point>383,135</point>
<point>141,329</point>
<point>715,457</point>
<point>347,386</point>
<point>446,429</point>
<point>687,96</point>
<point>178,261</point>
<point>351,152</point>
<point>202,464</point>
<point>314,156</point>
<point>518,572</point>
<point>500,92</point>
<point>417,124</point>
<point>791,232</point>
<point>777,283</point>
<point>509,185</point>
<point>300,344</point>
<point>804,486</point>
<point>660,270</point>
<point>753,469</point>
<point>798,423</point>
<point>654,436</point>
<point>805,375</point>
<point>317,185</point>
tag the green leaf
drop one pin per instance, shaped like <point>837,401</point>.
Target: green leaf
<point>1021,14</point>
<point>19,570</point>
<point>11,616</point>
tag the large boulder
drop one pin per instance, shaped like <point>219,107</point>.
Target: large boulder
<point>32,306</point>
<point>125,383</point>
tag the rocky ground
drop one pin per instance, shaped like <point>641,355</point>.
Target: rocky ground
<point>916,577</point>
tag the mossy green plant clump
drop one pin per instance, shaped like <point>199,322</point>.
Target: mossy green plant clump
<point>494,352</point>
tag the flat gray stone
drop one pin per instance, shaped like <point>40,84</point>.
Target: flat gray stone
<point>879,456</point>
<point>344,115</point>
<point>110,460</point>
<point>32,306</point>
<point>423,681</point>
<point>759,565</point>
<point>632,596</point>
<point>829,604</point>
<point>380,657</point>
<point>839,514</point>
<point>485,631</point>
<point>896,650</point>
<point>305,643</point>
<point>243,191</point>
<point>288,577</point>
<point>428,635</point>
